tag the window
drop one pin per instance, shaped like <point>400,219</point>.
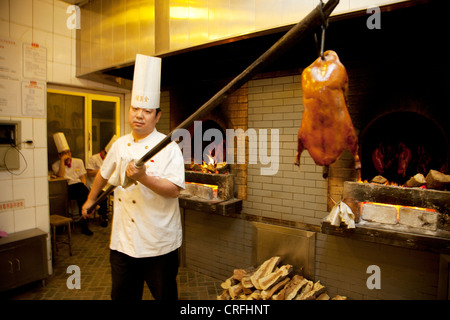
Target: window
<point>87,120</point>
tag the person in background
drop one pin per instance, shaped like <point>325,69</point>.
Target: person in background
<point>74,171</point>
<point>146,229</point>
<point>92,167</point>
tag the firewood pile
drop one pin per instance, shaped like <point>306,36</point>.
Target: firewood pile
<point>270,282</point>
<point>434,180</point>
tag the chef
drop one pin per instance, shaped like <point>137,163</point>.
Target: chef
<point>73,170</point>
<point>146,228</point>
<point>92,167</point>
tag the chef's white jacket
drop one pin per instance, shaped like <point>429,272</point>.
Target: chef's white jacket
<point>94,163</point>
<point>72,173</point>
<point>145,224</point>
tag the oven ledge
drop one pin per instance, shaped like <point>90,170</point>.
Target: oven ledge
<point>434,241</point>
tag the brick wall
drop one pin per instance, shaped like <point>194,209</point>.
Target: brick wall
<point>235,110</point>
<point>291,194</point>
<point>164,121</point>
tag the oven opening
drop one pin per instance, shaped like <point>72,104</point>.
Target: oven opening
<point>400,145</point>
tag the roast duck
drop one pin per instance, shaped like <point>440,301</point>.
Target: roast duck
<point>326,129</point>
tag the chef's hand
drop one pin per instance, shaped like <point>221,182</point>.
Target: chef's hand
<point>134,172</point>
<point>65,155</point>
<point>86,206</point>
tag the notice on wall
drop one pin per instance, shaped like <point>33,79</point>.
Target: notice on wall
<point>9,97</point>
<point>33,99</point>
<point>23,79</point>
<point>9,59</point>
<point>34,62</point>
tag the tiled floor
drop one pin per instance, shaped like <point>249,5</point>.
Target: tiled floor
<point>91,255</point>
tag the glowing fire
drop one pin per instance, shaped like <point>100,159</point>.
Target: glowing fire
<point>397,207</point>
<point>212,165</point>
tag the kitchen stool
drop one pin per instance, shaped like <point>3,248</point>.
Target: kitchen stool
<point>58,221</point>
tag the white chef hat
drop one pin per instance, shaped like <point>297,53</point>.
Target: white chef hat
<point>61,142</point>
<point>146,82</point>
<point>110,143</point>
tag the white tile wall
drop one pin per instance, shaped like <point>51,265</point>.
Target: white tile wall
<point>24,219</point>
<point>43,16</point>
<point>24,189</point>
<point>21,12</point>
<point>42,22</point>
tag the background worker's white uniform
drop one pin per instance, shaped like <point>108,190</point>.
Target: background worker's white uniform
<point>145,224</point>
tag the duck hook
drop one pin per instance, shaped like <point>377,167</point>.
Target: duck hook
<point>324,26</point>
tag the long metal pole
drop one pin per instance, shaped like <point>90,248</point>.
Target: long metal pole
<point>299,31</point>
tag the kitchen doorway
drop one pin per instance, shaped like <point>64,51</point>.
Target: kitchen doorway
<point>87,120</point>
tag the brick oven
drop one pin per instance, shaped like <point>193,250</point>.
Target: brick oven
<point>397,95</point>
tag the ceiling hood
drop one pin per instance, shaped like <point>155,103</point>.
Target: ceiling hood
<point>113,32</point>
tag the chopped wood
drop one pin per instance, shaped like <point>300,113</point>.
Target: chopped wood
<point>437,180</point>
<point>247,282</point>
<point>316,290</point>
<point>227,284</point>
<point>265,269</point>
<point>296,284</point>
<point>268,281</point>
<point>338,297</point>
<point>256,295</point>
<point>275,277</point>
<point>305,290</point>
<point>267,294</point>
<point>236,290</point>
<point>323,296</point>
<point>281,295</point>
<point>379,180</point>
<point>224,296</point>
<point>238,274</point>
<point>417,181</point>
<point>246,290</point>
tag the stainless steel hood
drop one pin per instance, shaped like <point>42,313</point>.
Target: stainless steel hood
<point>112,32</point>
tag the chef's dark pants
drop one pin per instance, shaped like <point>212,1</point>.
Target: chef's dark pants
<point>129,274</point>
<point>79,192</point>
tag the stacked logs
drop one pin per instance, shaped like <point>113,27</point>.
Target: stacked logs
<point>434,180</point>
<point>270,282</point>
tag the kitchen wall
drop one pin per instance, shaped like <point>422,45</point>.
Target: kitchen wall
<point>42,22</point>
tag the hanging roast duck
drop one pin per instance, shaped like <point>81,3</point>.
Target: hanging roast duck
<point>326,129</point>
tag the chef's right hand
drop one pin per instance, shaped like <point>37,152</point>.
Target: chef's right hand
<point>85,207</point>
<point>134,172</point>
